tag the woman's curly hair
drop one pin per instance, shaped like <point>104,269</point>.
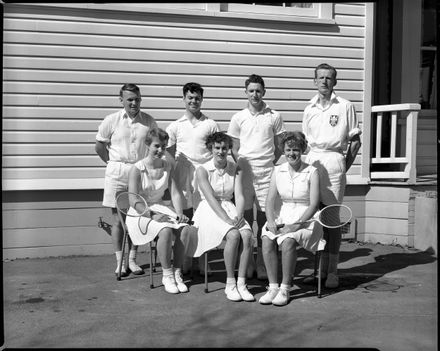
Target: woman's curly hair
<point>218,137</point>
<point>293,138</point>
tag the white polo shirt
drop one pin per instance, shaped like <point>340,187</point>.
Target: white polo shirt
<point>190,139</point>
<point>124,136</point>
<point>330,128</point>
<point>256,134</point>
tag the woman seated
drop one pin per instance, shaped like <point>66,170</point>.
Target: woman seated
<point>217,218</point>
<point>150,177</point>
<point>297,184</point>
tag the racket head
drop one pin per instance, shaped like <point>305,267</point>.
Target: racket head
<point>335,216</point>
<point>125,198</point>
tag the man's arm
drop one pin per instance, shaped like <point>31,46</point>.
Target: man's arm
<point>353,148</point>
<point>101,150</point>
<point>277,152</point>
<point>235,148</point>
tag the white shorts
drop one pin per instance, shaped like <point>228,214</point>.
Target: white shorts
<point>116,180</point>
<point>256,181</point>
<point>186,181</point>
<point>332,178</point>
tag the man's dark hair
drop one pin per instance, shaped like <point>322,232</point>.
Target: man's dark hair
<point>192,88</point>
<point>130,87</point>
<point>254,78</point>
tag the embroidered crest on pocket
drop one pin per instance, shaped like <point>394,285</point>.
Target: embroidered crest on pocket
<point>333,120</point>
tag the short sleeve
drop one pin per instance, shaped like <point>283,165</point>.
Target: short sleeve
<point>172,133</point>
<point>278,124</point>
<point>353,124</point>
<point>234,128</point>
<point>105,130</point>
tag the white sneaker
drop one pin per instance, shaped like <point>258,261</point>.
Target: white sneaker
<point>268,297</point>
<point>232,293</point>
<point>244,293</point>
<point>169,283</point>
<point>332,281</point>
<point>179,282</point>
<point>282,297</point>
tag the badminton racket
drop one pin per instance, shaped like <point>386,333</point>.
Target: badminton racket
<point>126,199</point>
<point>331,216</point>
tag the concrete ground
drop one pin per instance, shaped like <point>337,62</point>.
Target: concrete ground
<point>387,300</point>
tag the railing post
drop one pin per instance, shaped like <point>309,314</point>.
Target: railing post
<point>411,145</point>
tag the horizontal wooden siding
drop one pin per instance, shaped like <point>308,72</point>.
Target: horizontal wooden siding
<point>63,69</point>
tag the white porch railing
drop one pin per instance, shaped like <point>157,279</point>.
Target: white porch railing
<point>401,115</point>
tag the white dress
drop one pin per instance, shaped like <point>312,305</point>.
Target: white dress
<point>295,196</point>
<point>211,228</point>
<point>154,182</point>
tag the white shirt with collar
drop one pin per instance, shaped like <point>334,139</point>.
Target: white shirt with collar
<point>124,136</point>
<point>332,127</point>
<point>190,138</point>
<point>256,133</point>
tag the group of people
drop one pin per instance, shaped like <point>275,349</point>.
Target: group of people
<point>188,162</point>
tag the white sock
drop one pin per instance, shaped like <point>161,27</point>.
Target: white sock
<point>132,259</point>
<point>241,281</point>
<point>177,271</point>
<point>285,286</point>
<point>273,286</point>
<point>118,260</point>
<point>230,281</point>
<point>167,271</point>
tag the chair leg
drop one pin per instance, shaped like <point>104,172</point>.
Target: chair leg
<point>124,239</point>
<point>151,266</point>
<point>155,256</point>
<point>206,271</point>
<point>319,256</point>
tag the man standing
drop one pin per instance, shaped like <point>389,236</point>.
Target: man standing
<point>120,142</point>
<point>330,125</point>
<point>187,144</point>
<point>255,131</point>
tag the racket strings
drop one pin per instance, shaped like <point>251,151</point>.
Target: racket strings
<point>335,216</point>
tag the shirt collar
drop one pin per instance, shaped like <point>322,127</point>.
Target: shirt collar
<point>262,112</point>
<point>137,117</point>
<point>185,118</point>
<point>333,98</point>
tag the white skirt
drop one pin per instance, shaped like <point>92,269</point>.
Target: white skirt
<point>211,229</point>
<point>307,237</point>
<point>142,230</point>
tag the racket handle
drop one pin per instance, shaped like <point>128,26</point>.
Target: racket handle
<point>279,226</point>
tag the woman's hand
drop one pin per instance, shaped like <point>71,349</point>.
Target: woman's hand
<point>159,217</point>
<point>238,222</point>
<point>290,228</point>
<point>182,218</point>
<point>272,226</point>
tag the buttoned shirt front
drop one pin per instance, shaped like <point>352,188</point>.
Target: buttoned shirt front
<point>256,133</point>
<point>190,138</point>
<point>125,136</point>
<point>332,127</point>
